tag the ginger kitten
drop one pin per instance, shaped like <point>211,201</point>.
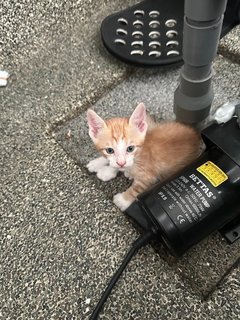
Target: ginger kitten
<point>144,150</point>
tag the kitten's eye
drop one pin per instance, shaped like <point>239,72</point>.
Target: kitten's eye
<point>130,148</point>
<point>109,150</point>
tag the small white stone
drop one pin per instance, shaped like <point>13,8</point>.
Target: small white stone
<point>69,134</point>
<point>9,237</point>
<point>87,300</point>
<point>3,78</point>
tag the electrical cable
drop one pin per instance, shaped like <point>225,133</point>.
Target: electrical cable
<point>137,244</point>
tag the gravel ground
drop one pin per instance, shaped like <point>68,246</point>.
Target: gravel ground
<point>61,237</point>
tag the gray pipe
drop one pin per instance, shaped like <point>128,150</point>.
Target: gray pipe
<point>202,27</point>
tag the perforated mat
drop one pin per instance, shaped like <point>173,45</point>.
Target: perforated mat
<point>147,34</point>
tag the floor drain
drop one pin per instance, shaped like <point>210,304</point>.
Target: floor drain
<point>172,44</point>
<point>171,23</point>
<point>154,44</point>
<point>120,41</point>
<point>171,34</point>
<point>154,14</point>
<point>135,35</point>
<point>122,21</point>
<point>154,24</point>
<point>155,54</point>
<point>137,44</point>
<point>154,34</point>
<point>173,53</point>
<point>137,52</point>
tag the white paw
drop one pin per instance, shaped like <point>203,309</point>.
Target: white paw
<point>128,175</point>
<point>107,173</point>
<point>96,164</point>
<point>120,202</point>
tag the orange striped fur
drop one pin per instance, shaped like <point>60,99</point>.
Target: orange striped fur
<point>161,149</point>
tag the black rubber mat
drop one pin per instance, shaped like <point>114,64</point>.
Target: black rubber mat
<point>149,33</point>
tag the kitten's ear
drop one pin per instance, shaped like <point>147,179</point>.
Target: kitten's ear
<point>138,118</point>
<point>95,123</point>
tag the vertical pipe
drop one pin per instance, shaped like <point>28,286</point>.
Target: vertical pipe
<point>202,27</point>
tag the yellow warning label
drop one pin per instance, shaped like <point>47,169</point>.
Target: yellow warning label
<point>213,173</point>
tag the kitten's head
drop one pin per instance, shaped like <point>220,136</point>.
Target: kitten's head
<point>119,138</point>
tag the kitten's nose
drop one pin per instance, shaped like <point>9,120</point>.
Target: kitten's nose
<point>121,163</point>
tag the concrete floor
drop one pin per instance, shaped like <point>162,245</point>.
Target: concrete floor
<point>61,235</point>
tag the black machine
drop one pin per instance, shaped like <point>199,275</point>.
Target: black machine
<point>201,199</point>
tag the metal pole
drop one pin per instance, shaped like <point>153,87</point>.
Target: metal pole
<point>202,27</point>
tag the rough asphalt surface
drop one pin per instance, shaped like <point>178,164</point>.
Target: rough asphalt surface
<point>61,236</point>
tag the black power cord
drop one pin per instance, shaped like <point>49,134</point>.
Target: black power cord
<point>140,242</point>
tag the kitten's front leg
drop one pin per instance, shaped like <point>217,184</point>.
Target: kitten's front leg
<point>96,164</point>
<point>125,199</point>
<point>121,202</point>
<point>127,174</point>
